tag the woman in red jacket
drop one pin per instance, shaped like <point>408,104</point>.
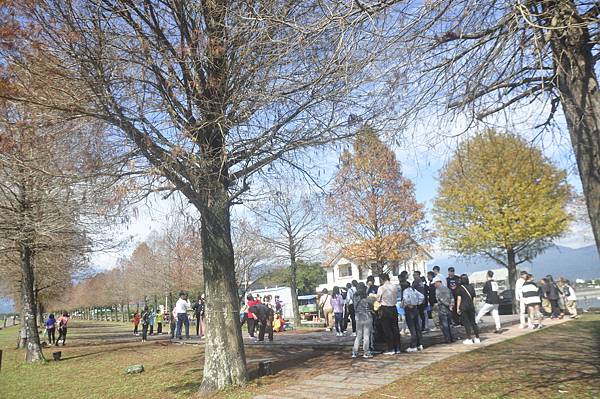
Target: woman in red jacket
<point>251,317</point>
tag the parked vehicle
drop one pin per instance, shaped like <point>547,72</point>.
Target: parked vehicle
<point>307,305</point>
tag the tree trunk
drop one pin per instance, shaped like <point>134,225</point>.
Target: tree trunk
<point>224,359</point>
<point>579,96</point>
<point>34,349</point>
<point>511,265</point>
<point>294,289</point>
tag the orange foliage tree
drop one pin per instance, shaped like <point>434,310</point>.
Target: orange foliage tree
<point>374,216</point>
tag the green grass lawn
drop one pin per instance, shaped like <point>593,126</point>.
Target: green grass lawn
<point>93,365</point>
<point>559,362</point>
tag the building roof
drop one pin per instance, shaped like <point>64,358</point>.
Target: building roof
<point>340,254</point>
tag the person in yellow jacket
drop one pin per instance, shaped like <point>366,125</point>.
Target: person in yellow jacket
<point>158,320</point>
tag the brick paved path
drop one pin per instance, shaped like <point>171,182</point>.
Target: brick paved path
<point>360,375</point>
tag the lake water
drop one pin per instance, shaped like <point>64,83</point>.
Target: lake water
<point>588,302</point>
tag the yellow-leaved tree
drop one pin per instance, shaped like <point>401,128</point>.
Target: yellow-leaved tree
<point>501,197</point>
<point>374,217</point>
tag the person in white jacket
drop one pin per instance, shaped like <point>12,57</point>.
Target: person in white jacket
<point>519,297</point>
<point>570,299</point>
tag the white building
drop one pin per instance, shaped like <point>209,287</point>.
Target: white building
<point>342,270</point>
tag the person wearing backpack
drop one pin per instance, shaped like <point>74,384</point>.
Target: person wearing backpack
<point>465,294</point>
<point>570,299</point>
<point>419,285</point>
<point>492,301</point>
<point>411,299</point>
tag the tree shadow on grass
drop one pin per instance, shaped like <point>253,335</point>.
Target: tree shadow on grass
<point>548,360</point>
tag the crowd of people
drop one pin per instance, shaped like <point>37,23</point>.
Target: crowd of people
<point>178,320</point>
<point>263,313</point>
<point>417,305</point>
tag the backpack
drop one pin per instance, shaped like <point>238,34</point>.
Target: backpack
<point>566,291</point>
<point>412,297</point>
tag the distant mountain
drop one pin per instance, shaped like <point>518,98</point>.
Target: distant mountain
<point>558,261</point>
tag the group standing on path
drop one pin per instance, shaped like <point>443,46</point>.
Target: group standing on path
<point>448,302</point>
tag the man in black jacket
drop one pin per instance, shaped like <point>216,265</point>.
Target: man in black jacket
<point>265,317</point>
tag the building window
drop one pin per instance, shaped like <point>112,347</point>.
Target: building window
<point>345,270</point>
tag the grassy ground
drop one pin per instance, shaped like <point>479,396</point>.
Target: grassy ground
<point>562,361</point>
<point>559,362</point>
<point>97,353</point>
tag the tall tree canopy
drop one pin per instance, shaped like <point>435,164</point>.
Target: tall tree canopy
<point>210,92</point>
<point>373,213</point>
<point>479,60</point>
<point>501,197</point>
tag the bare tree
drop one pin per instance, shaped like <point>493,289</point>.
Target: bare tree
<point>481,59</point>
<point>210,93</point>
<point>289,221</point>
<point>252,258</point>
<point>45,220</point>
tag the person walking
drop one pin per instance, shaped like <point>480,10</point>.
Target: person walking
<point>63,321</point>
<point>466,309</point>
<point>51,329</point>
<point>387,295</point>
<point>570,299</point>
<point>181,308</point>
<point>145,319</point>
<point>136,322</point>
<point>411,299</point>
<point>198,308</point>
<point>492,301</point>
<point>519,297</point>
<point>350,304</point>
<point>327,309</point>
<point>265,316</point>
<point>445,305</point>
<point>337,302</point>
<point>419,286</point>
<point>532,299</point>
<point>452,282</point>
<point>363,308</point>
<point>551,292</point>
<point>158,320</point>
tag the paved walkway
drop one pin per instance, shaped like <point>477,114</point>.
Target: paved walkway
<point>361,375</point>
